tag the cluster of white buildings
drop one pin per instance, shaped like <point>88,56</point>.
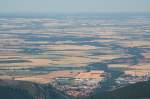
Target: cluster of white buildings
<point>129,79</point>
<point>82,84</point>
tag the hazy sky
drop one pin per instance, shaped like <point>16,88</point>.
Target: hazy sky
<point>63,6</point>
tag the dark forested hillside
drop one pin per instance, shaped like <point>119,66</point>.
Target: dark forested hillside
<point>139,90</point>
<point>13,93</point>
<point>28,90</point>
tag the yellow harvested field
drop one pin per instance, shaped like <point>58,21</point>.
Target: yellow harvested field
<point>134,70</point>
<point>70,47</point>
<point>47,78</point>
<point>39,62</point>
<point>70,58</point>
<point>135,43</point>
<point>76,61</point>
<point>73,53</point>
<point>118,66</point>
<point>91,74</point>
<point>79,61</point>
<point>137,72</point>
<point>141,67</point>
<point>4,77</point>
<point>104,40</point>
<point>105,57</point>
<point>146,55</point>
<point>39,42</point>
<point>30,64</point>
